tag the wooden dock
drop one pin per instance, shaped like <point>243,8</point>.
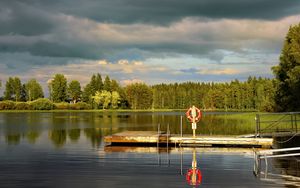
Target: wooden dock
<point>151,138</point>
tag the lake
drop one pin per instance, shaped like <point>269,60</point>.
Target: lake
<point>66,149</point>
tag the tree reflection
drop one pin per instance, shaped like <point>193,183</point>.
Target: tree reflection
<point>13,139</point>
<point>32,136</point>
<point>74,134</point>
<point>94,135</point>
<point>58,137</point>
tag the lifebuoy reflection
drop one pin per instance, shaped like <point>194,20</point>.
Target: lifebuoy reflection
<point>193,175</point>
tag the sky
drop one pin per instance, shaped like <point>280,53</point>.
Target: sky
<point>151,41</point>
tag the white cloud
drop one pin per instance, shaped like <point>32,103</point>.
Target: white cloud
<point>225,71</point>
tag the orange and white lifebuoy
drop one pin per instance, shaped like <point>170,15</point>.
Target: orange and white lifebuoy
<point>189,175</point>
<point>190,117</point>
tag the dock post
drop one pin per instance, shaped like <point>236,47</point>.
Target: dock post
<point>181,121</point>
<point>295,118</point>
<point>257,125</point>
<point>167,137</point>
<point>292,121</point>
<point>181,118</point>
<point>181,161</point>
<point>158,133</point>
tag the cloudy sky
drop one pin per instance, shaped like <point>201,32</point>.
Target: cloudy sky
<point>143,40</point>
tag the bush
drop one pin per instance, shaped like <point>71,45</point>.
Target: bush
<point>22,106</point>
<point>42,104</point>
<point>80,106</point>
<point>62,106</point>
<point>7,105</point>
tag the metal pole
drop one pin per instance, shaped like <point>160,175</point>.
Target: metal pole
<point>296,122</point>
<point>168,132</point>
<point>181,161</point>
<point>158,132</point>
<point>257,125</point>
<point>168,137</point>
<point>181,126</point>
<point>292,121</point>
<point>194,133</point>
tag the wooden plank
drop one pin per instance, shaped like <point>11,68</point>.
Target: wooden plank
<point>151,137</point>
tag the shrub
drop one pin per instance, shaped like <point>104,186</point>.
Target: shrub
<point>7,105</point>
<point>80,106</point>
<point>22,106</point>
<point>62,106</point>
<point>42,104</point>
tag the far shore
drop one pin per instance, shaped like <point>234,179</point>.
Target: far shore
<point>125,110</point>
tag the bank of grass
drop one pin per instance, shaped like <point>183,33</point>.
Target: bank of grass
<point>45,105</point>
<point>268,122</point>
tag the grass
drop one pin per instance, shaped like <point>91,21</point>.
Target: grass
<point>94,110</point>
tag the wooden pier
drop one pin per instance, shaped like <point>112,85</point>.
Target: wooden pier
<point>151,138</point>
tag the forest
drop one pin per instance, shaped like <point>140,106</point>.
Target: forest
<point>253,94</point>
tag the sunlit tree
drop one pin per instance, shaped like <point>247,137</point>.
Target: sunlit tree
<point>74,90</point>
<point>288,72</point>
<point>59,88</point>
<point>33,90</point>
<point>102,98</point>
<point>115,99</point>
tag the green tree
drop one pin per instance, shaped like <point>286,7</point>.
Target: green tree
<point>288,72</point>
<point>102,98</point>
<point>74,90</point>
<point>115,99</point>
<point>13,89</point>
<point>139,96</point>
<point>114,86</point>
<point>107,84</point>
<point>9,89</point>
<point>59,88</point>
<point>87,94</point>
<point>90,89</point>
<point>96,83</point>
<point>33,90</point>
<point>18,89</point>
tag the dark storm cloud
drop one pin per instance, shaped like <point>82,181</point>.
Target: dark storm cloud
<point>141,29</point>
<point>20,19</point>
<point>166,11</point>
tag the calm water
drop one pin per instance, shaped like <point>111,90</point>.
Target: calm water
<point>66,150</point>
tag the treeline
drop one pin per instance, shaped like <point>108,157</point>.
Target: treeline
<point>97,94</point>
<point>253,94</point>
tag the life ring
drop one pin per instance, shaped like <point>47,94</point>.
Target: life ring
<point>189,177</point>
<point>189,116</point>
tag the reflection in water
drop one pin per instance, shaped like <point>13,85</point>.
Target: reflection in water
<point>193,175</point>
<point>58,137</point>
<point>94,135</point>
<point>13,139</point>
<point>32,136</point>
<point>62,127</point>
<point>74,134</point>
<point>283,171</point>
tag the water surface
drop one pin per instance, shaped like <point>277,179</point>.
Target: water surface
<point>66,150</point>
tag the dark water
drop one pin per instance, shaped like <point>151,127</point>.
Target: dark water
<point>66,150</point>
